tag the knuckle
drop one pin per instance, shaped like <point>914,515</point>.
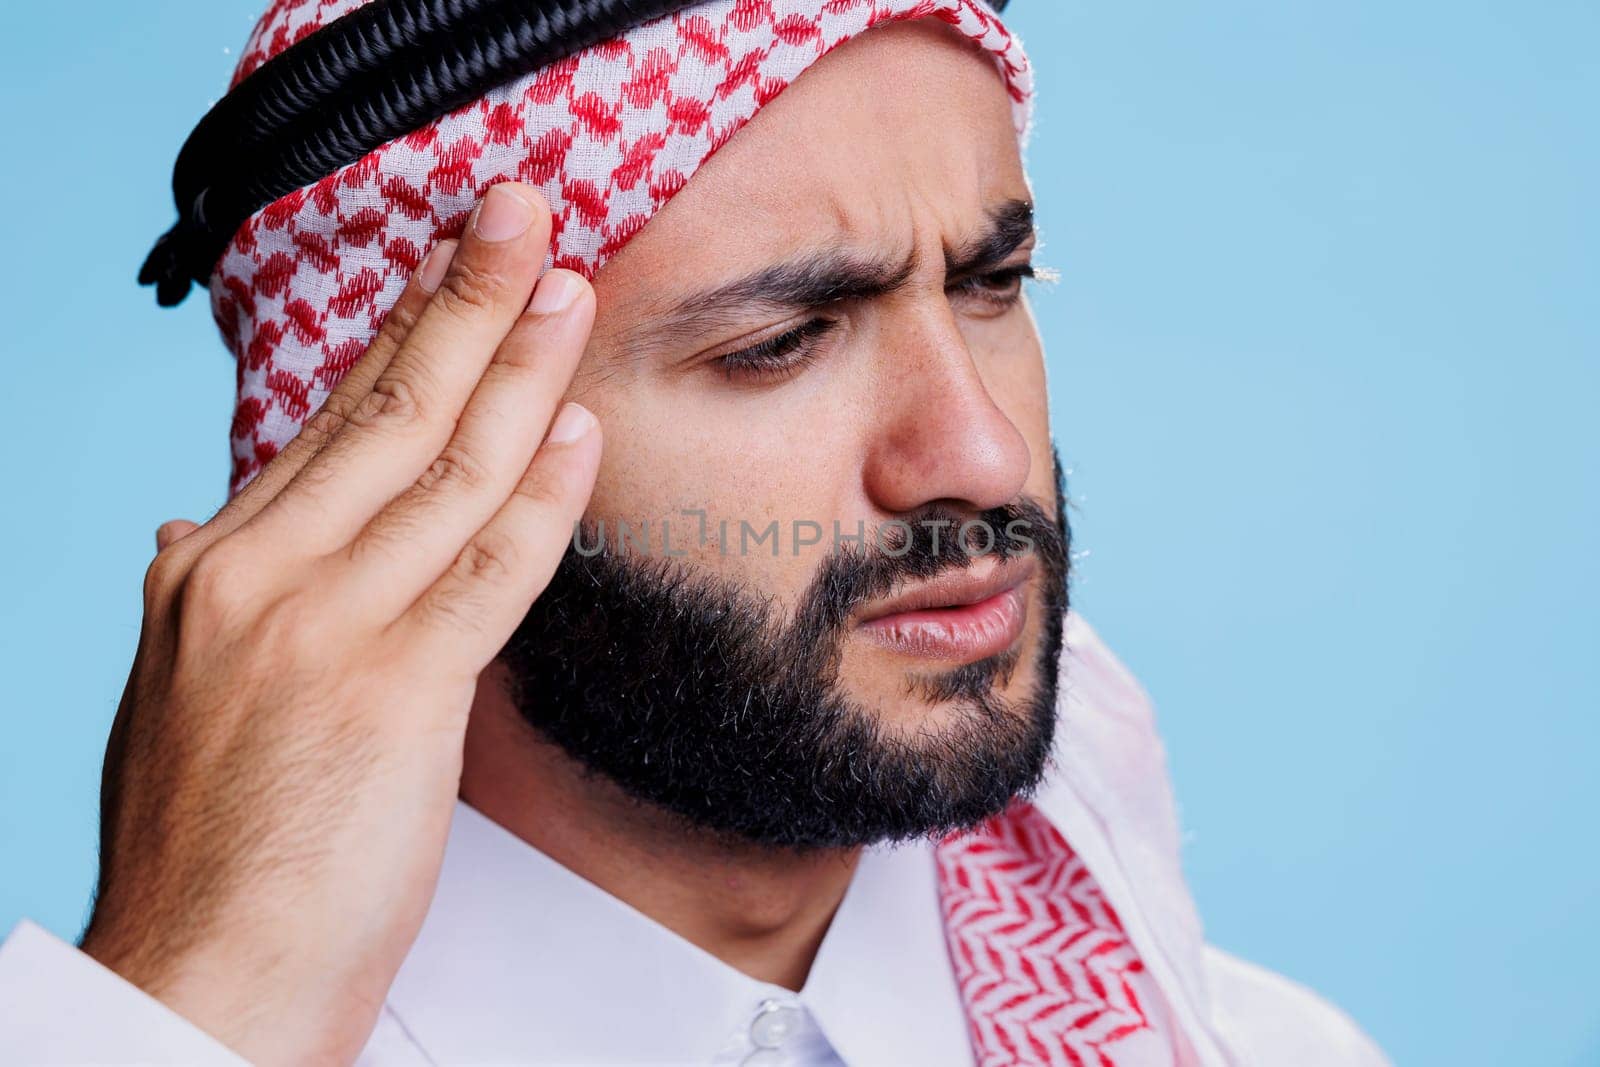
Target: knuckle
<point>330,418</point>
<point>399,321</point>
<point>488,557</point>
<point>391,401</point>
<point>216,584</point>
<point>318,430</point>
<point>294,629</point>
<point>470,290</point>
<point>454,468</point>
<point>164,574</point>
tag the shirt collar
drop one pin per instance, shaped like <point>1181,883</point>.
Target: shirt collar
<point>882,987</point>
<point>521,960</point>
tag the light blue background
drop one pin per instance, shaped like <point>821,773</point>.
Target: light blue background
<point>1324,363</point>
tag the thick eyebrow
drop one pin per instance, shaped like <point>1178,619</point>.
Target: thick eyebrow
<point>1010,227</point>
<point>809,281</point>
<point>820,278</point>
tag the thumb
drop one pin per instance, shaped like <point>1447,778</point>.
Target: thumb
<point>172,530</point>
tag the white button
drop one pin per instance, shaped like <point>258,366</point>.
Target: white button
<point>774,1024</point>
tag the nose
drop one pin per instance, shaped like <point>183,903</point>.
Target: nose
<point>941,438</point>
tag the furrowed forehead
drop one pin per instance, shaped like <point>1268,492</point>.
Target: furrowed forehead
<point>816,278</point>
<point>854,164</point>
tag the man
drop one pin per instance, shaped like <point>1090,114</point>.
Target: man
<point>797,755</point>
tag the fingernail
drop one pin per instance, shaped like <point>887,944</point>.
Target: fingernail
<point>555,292</point>
<point>503,215</point>
<point>433,268</point>
<point>574,422</point>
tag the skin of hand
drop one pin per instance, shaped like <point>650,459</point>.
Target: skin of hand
<point>284,763</point>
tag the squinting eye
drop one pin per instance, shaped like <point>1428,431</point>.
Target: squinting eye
<point>777,356</point>
<point>997,287</point>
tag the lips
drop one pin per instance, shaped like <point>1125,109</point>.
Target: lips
<point>960,616</point>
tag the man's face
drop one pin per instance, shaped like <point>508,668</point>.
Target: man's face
<point>824,330</point>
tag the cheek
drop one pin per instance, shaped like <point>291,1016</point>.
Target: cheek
<point>787,456</point>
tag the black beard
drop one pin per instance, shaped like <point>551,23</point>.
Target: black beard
<point>683,690</point>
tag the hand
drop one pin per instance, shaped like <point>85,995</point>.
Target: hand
<point>284,764</point>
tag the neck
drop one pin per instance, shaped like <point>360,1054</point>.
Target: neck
<point>761,910</point>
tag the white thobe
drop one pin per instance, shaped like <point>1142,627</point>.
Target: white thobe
<point>521,961</point>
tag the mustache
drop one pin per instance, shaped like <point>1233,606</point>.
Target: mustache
<point>927,544</point>
<point>914,547</point>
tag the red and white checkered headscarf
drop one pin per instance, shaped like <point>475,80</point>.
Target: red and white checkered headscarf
<point>608,135</point>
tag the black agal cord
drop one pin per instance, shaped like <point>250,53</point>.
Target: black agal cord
<point>384,70</point>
